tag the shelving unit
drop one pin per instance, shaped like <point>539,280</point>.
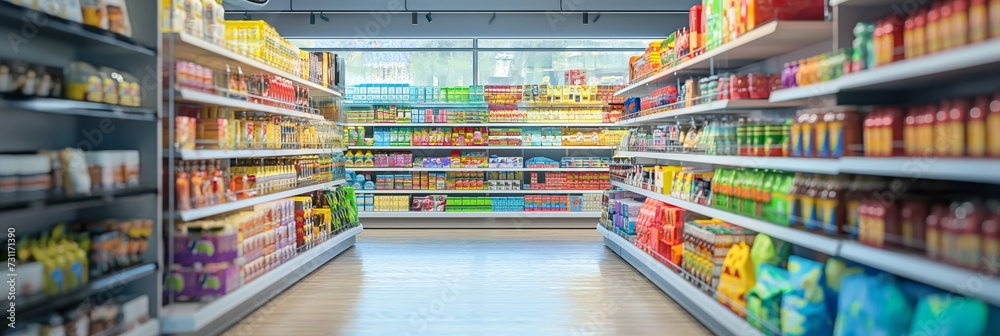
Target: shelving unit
<point>805,165</point>
<point>182,45</point>
<point>208,154</point>
<point>813,241</point>
<point>950,65</point>
<point>37,306</point>
<point>204,98</point>
<point>705,308</point>
<point>969,170</point>
<point>480,169</point>
<point>451,192</point>
<point>518,215</point>
<point>662,113</point>
<point>55,122</point>
<point>79,108</point>
<point>527,124</point>
<point>215,316</point>
<point>770,40</point>
<point>193,214</point>
<point>480,147</point>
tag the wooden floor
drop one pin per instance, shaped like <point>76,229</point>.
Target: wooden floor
<point>473,282</point>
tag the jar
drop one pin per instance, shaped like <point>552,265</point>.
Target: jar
<point>945,26</point>
<point>960,24</point>
<point>994,18</point>
<point>934,231</point>
<point>913,218</point>
<point>920,32</point>
<point>993,123</point>
<point>991,238</point>
<point>83,82</point>
<point>978,21</point>
<point>934,32</point>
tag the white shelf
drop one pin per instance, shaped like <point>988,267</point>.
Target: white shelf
<point>552,124</point>
<point>194,49</point>
<point>562,105</point>
<point>198,97</point>
<point>208,154</point>
<point>193,214</point>
<point>702,306</point>
<point>951,169</point>
<point>524,215</point>
<point>806,165</point>
<point>769,40</point>
<point>722,106</point>
<point>927,71</point>
<point>450,192</point>
<point>921,269</point>
<point>150,328</point>
<point>802,238</point>
<point>480,169</point>
<point>418,104</point>
<point>479,147</point>
<point>193,317</point>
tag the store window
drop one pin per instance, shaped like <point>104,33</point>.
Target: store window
<point>563,43</point>
<point>381,43</point>
<point>534,67</point>
<point>420,68</point>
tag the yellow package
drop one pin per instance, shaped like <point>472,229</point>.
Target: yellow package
<point>737,278</point>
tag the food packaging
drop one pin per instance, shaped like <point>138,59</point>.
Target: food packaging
<point>83,82</point>
<point>94,13</point>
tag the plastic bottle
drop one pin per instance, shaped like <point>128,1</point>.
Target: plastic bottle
<point>182,186</point>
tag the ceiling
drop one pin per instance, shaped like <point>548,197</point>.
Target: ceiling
<point>478,5</point>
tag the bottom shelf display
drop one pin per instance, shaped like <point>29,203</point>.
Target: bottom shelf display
<point>760,285</point>
<point>464,204</point>
<point>215,256</point>
<point>213,317</point>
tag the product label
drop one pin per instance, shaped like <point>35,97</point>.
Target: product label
<point>808,205</point>
<point>93,92</point>
<point>807,140</point>
<point>827,209</point>
<point>993,138</point>
<point>836,141</point>
<point>796,140</point>
<point>853,217</point>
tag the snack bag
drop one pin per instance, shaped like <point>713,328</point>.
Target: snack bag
<point>834,272</point>
<point>872,305</point>
<point>764,299</point>
<point>769,251</point>
<point>946,314</point>
<point>737,278</point>
<point>803,310</point>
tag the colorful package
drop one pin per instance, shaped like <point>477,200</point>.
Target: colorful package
<point>803,310</point>
<point>872,305</point>
<point>946,314</point>
<point>737,278</point>
<point>764,299</point>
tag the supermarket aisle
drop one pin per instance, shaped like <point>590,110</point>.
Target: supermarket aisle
<point>473,282</point>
